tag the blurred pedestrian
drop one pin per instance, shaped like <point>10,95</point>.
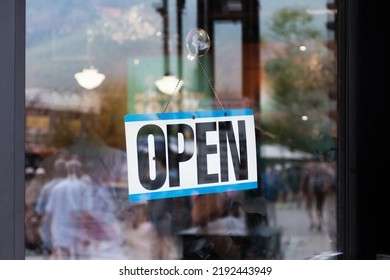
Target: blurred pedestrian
<point>331,203</point>
<point>271,179</point>
<point>104,232</point>
<point>314,191</point>
<point>59,173</point>
<point>161,216</point>
<point>32,237</point>
<point>70,203</point>
<point>294,178</point>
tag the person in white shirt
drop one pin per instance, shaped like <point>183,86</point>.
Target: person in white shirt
<point>59,174</point>
<point>68,206</point>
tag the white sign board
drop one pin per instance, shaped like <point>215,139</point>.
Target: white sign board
<point>187,153</point>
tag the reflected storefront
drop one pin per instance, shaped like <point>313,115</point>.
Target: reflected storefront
<point>90,63</point>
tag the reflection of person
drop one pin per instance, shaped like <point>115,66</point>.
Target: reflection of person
<point>104,232</point>
<point>59,175</point>
<point>314,190</point>
<point>140,232</point>
<point>29,175</point>
<point>161,217</point>
<point>271,181</point>
<point>294,178</point>
<point>32,236</point>
<point>284,184</point>
<point>331,201</point>
<point>69,202</point>
<point>159,211</point>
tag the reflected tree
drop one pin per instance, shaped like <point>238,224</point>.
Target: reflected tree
<point>300,72</point>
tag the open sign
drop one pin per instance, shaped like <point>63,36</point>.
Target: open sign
<point>186,153</point>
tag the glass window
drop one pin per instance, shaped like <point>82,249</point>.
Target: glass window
<point>90,63</point>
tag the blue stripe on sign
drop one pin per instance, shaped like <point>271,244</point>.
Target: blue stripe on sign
<point>188,115</point>
<point>193,191</point>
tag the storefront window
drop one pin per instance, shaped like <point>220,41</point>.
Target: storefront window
<point>90,63</point>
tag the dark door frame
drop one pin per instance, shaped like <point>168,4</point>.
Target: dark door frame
<point>363,146</point>
<point>12,122</point>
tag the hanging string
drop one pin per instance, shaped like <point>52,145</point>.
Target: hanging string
<point>212,88</point>
<point>171,97</point>
<point>198,43</point>
<point>173,93</point>
<point>209,82</point>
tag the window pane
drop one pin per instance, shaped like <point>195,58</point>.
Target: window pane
<point>90,63</point>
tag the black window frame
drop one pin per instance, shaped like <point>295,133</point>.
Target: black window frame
<point>363,112</point>
<point>12,123</point>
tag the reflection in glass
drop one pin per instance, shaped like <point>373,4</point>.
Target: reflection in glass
<point>280,62</point>
<point>89,78</point>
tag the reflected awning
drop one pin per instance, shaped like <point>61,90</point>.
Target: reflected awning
<point>275,151</point>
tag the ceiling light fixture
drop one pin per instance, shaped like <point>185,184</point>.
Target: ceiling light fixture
<point>89,78</point>
<point>169,84</point>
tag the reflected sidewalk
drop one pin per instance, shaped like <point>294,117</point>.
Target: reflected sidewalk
<point>298,241</point>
